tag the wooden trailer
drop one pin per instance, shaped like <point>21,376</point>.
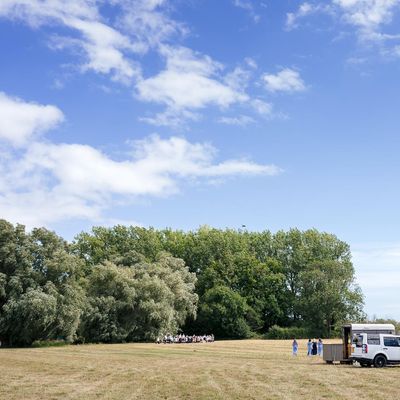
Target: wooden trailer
<point>341,352</point>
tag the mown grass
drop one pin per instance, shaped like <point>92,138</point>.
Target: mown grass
<point>251,369</point>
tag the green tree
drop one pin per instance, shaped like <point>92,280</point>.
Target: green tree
<point>108,244</point>
<point>139,302</point>
<point>224,312</point>
<point>266,270</point>
<point>329,296</point>
<point>297,251</point>
<point>40,293</point>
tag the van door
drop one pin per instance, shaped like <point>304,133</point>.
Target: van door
<point>391,346</point>
<point>357,344</point>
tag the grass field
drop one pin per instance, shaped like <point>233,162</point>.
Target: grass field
<point>251,369</point>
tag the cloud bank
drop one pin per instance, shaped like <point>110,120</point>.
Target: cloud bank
<point>43,182</point>
<point>187,83</point>
<point>369,18</point>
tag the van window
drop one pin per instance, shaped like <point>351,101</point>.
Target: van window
<point>391,341</point>
<point>358,340</point>
<point>373,339</point>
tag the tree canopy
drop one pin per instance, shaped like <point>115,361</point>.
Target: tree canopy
<point>131,283</point>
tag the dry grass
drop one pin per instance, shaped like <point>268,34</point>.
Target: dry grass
<point>251,369</point>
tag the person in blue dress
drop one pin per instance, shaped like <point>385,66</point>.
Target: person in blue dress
<point>295,347</point>
<point>309,347</point>
<point>320,346</point>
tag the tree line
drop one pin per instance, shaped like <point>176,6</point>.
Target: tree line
<point>133,284</point>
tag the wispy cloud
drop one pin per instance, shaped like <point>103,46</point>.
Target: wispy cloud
<point>369,18</point>
<point>240,120</point>
<point>107,48</point>
<point>262,107</point>
<point>306,9</point>
<point>368,15</point>
<point>103,47</point>
<point>249,7</point>
<point>147,22</point>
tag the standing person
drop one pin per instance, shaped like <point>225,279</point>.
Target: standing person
<point>295,347</point>
<point>314,348</point>
<point>320,346</point>
<point>309,347</point>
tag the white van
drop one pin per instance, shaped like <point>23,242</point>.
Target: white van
<point>334,352</point>
<point>375,349</point>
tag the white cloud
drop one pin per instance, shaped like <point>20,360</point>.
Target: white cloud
<point>239,78</point>
<point>172,117</point>
<point>105,48</point>
<point>240,120</point>
<point>52,182</point>
<point>286,80</point>
<point>148,23</point>
<point>367,16</point>
<point>305,10</point>
<point>46,182</point>
<point>190,81</point>
<point>20,121</point>
<point>370,18</point>
<point>262,107</point>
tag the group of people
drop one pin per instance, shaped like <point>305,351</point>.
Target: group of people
<point>313,347</point>
<point>182,338</point>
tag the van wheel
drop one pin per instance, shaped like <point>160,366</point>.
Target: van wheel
<point>380,361</point>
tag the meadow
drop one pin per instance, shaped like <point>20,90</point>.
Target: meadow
<point>248,369</point>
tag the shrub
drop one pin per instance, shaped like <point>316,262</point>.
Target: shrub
<point>278,332</point>
<point>49,343</point>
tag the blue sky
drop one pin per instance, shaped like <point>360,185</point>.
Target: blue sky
<point>269,114</point>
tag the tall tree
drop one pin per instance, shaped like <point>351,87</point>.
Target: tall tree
<point>138,302</point>
<point>40,293</point>
<point>329,296</point>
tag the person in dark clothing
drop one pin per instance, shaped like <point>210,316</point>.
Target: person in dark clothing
<point>314,348</point>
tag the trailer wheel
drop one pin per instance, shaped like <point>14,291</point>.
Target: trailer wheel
<point>380,361</point>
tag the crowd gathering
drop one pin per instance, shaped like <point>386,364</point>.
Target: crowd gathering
<point>313,347</point>
<point>182,338</point>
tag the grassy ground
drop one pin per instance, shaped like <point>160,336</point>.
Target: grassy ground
<point>251,369</point>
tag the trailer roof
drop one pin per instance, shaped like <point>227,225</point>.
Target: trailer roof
<point>372,327</point>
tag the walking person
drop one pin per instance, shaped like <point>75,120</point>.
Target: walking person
<point>295,347</point>
<point>320,346</point>
<point>309,347</point>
